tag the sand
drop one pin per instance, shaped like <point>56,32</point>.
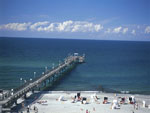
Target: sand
<point>51,105</point>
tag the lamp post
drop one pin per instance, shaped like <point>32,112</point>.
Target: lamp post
<point>65,60</point>
<point>12,91</point>
<point>34,74</point>
<point>53,66</point>
<point>59,62</point>
<point>45,68</point>
<point>21,81</point>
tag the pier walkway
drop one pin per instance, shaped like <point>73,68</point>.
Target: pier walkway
<point>49,76</point>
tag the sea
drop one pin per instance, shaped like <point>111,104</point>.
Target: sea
<point>122,66</point>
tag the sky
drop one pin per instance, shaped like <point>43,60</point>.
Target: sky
<point>76,19</point>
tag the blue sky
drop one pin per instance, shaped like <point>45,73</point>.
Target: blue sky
<point>76,19</point>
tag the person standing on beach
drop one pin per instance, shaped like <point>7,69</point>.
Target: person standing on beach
<point>34,108</point>
<point>28,109</point>
<point>137,106</point>
<point>87,111</point>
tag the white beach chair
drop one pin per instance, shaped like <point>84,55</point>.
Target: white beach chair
<point>115,104</point>
<point>149,106</point>
<point>61,98</point>
<point>144,104</point>
<point>94,98</point>
<point>133,99</point>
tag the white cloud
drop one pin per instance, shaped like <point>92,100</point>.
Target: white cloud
<point>133,32</point>
<point>49,28</point>
<point>35,25</point>
<point>79,26</point>
<point>124,30</point>
<point>15,26</point>
<point>68,26</point>
<point>147,29</point>
<point>72,27</point>
<point>98,27</point>
<point>64,26</point>
<point>117,30</point>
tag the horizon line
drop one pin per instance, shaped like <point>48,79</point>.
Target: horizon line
<point>75,39</point>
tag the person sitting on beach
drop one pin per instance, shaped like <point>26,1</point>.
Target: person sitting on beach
<point>105,100</point>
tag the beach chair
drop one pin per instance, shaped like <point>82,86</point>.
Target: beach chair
<point>115,104</point>
<point>61,98</point>
<point>84,100</point>
<point>78,97</point>
<point>105,100</point>
<point>149,106</point>
<point>122,101</point>
<point>144,104</point>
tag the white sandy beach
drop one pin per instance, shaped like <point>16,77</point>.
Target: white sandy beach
<point>51,105</point>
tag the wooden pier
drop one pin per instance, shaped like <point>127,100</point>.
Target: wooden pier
<point>51,76</point>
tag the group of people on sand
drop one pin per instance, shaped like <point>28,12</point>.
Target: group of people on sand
<point>83,100</point>
<point>115,104</point>
<point>122,100</point>
<point>78,98</point>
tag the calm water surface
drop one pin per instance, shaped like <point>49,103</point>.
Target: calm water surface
<point>117,65</point>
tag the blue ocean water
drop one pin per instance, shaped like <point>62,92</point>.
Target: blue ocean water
<point>117,65</point>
